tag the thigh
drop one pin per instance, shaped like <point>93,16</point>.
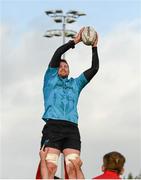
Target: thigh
<point>70,154</point>
<point>53,151</point>
<point>52,161</point>
<point>68,151</point>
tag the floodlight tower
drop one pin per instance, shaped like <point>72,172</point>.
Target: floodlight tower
<point>67,18</point>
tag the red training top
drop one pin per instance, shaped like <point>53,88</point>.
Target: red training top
<point>108,175</point>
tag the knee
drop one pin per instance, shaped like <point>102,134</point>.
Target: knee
<point>52,161</point>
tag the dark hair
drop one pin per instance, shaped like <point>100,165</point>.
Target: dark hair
<point>114,161</point>
<point>63,60</point>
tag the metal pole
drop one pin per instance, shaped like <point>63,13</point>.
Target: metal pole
<point>62,156</point>
<point>64,29</point>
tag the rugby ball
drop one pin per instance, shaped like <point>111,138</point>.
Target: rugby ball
<point>89,35</point>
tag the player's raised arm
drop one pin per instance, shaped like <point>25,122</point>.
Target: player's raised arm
<point>89,74</point>
<point>55,61</point>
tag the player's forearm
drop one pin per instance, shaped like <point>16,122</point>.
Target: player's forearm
<point>79,174</point>
<point>43,169</point>
<point>89,74</point>
<point>95,59</point>
<point>55,61</point>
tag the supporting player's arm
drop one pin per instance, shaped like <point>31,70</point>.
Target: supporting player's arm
<point>43,166</point>
<point>77,163</point>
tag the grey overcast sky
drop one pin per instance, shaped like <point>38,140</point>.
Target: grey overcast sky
<point>109,106</point>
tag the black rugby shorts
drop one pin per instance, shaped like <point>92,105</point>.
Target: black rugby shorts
<point>60,134</point>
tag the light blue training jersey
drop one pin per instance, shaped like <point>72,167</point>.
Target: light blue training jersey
<point>61,96</point>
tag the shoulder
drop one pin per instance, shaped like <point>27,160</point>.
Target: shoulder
<point>52,70</point>
<point>98,177</point>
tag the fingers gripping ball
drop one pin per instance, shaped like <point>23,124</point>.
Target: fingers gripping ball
<point>89,35</point>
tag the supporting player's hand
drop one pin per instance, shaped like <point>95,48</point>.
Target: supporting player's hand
<point>43,153</point>
<point>78,36</point>
<point>77,163</point>
<point>96,41</point>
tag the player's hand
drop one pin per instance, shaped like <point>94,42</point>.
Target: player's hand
<point>96,41</point>
<point>77,163</point>
<point>78,36</point>
<point>43,153</point>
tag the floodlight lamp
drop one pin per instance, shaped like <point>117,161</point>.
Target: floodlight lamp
<point>79,13</point>
<point>57,33</point>
<point>70,33</point>
<point>57,19</point>
<point>49,12</point>
<point>70,20</point>
<point>59,11</point>
<point>48,35</point>
<point>72,12</point>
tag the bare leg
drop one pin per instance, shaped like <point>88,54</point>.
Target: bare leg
<point>51,166</point>
<point>70,167</point>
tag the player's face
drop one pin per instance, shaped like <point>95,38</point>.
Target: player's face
<point>63,70</point>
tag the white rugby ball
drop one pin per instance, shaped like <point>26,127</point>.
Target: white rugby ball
<point>89,35</point>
